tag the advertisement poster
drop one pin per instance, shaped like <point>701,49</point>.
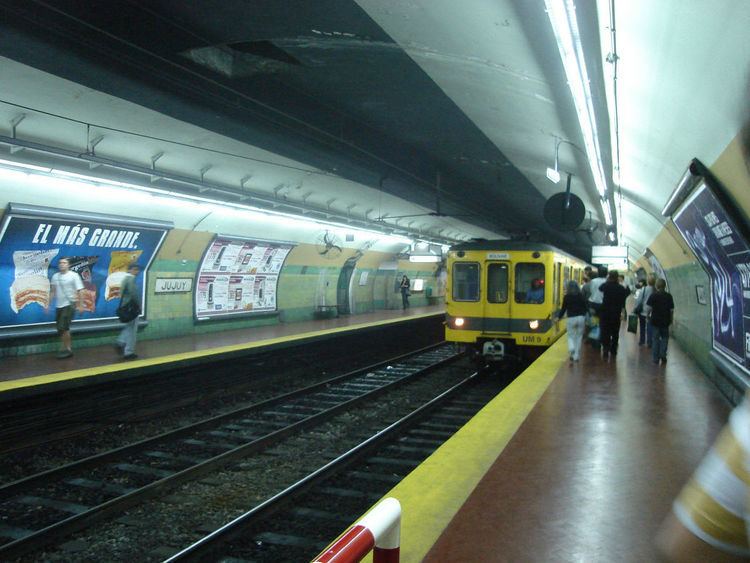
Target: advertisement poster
<point>31,246</point>
<point>239,276</point>
<point>724,254</point>
<point>656,267</point>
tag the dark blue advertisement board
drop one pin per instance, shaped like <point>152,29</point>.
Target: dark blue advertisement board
<point>722,249</point>
<point>99,249</point>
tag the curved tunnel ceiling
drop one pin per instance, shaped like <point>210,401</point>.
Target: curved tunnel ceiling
<point>321,83</point>
<point>392,94</point>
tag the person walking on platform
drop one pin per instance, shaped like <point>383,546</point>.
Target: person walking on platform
<point>575,305</point>
<point>66,288</point>
<point>404,286</point>
<point>661,313</point>
<point>644,326</point>
<point>129,298</point>
<point>595,298</point>
<point>613,302</point>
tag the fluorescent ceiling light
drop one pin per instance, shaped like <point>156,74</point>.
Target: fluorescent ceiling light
<point>562,16</point>
<point>424,258</point>
<point>183,198</point>
<point>553,175</point>
<point>11,164</point>
<point>607,212</point>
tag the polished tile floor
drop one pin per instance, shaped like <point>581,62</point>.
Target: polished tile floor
<point>592,472</point>
<point>43,364</point>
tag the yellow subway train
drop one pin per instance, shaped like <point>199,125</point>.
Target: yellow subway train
<point>501,297</point>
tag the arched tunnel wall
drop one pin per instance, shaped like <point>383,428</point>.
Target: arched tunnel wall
<point>692,320</point>
<point>307,280</point>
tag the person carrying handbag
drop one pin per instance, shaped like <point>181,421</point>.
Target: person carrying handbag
<point>129,311</point>
<point>640,309</point>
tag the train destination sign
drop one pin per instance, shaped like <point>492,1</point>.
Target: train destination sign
<point>239,277</point>
<point>722,249</point>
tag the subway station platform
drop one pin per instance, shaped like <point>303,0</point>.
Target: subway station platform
<point>35,371</point>
<point>571,462</point>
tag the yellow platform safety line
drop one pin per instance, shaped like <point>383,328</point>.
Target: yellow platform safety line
<point>112,368</point>
<point>432,494</point>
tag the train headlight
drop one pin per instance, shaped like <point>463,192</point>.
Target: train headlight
<point>458,322</point>
<point>533,325</point>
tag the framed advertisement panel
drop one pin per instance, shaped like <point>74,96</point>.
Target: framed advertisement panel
<point>238,277</point>
<point>99,248</point>
<point>717,237</point>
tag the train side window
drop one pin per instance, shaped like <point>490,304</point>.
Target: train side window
<point>466,281</point>
<point>529,283</point>
<point>497,283</point>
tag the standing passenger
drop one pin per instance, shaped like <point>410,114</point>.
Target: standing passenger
<point>129,294</point>
<point>576,307</point>
<point>66,287</point>
<point>661,309</point>
<point>613,302</point>
<point>404,287</point>
<point>646,335</point>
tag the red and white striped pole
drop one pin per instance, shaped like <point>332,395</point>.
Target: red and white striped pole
<point>379,529</point>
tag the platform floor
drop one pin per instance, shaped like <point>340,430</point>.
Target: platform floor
<point>19,368</point>
<point>592,471</point>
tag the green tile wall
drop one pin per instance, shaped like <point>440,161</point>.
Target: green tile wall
<point>692,321</point>
<point>171,315</point>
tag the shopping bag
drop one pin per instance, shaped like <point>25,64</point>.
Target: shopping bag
<point>633,323</point>
<point>594,333</point>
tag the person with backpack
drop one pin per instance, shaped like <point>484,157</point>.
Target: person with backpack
<point>129,311</point>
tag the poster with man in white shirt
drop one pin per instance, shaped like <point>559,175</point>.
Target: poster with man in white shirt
<point>66,288</point>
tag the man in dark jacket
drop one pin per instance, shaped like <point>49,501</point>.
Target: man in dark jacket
<point>613,302</point>
<point>660,306</point>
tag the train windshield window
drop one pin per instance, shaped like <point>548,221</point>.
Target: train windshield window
<point>466,281</point>
<point>497,283</point>
<point>529,283</point>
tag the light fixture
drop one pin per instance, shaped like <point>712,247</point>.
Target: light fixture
<point>50,174</point>
<point>534,325</point>
<point>612,236</point>
<point>553,174</point>
<point>607,212</point>
<point>562,16</point>
<point>458,322</point>
<point>424,258</point>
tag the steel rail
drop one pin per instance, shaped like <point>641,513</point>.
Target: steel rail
<point>208,545</point>
<point>62,528</point>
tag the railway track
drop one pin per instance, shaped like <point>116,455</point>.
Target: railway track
<point>46,507</point>
<point>302,520</point>
<point>41,419</point>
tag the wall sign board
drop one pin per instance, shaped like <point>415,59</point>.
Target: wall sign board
<point>98,247</point>
<point>238,277</point>
<point>173,285</point>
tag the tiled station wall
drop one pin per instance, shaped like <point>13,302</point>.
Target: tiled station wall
<point>307,280</point>
<point>692,324</point>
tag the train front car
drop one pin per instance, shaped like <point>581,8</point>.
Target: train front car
<point>502,296</point>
